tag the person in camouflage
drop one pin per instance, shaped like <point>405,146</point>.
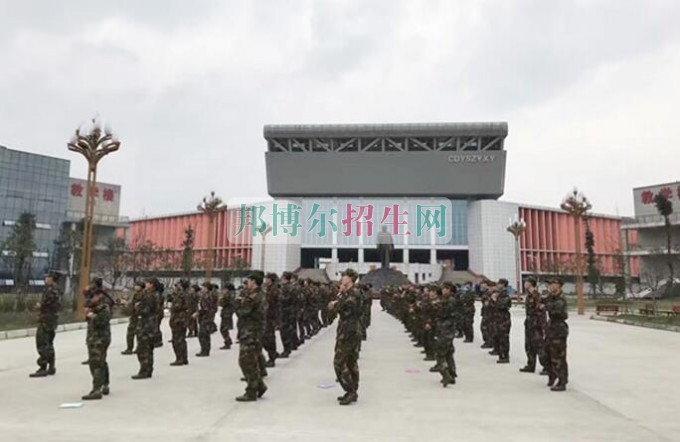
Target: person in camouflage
<point>428,321</point>
<point>485,313</point>
<point>160,300</point>
<point>179,317</point>
<point>227,314</point>
<point>468,314</point>
<point>447,315</point>
<point>273,319</point>
<point>147,308</point>
<point>251,309</point>
<point>134,318</point>
<point>98,314</point>
<point>556,336</point>
<point>502,304</point>
<point>347,307</point>
<point>194,298</point>
<point>534,327</point>
<point>288,315</point>
<point>207,308</point>
<point>48,319</point>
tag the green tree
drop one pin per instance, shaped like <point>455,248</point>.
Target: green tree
<point>591,260</point>
<point>188,252</point>
<point>665,208</point>
<point>19,247</point>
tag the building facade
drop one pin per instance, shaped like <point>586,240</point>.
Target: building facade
<point>646,234</point>
<point>40,185</point>
<point>462,163</point>
<point>165,235</point>
<point>35,184</point>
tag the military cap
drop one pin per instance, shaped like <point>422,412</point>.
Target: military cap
<point>449,285</point>
<point>531,280</point>
<point>272,276</point>
<point>287,275</point>
<point>154,281</point>
<point>351,273</point>
<point>555,279</point>
<point>257,277</point>
<point>196,287</point>
<point>54,275</point>
<point>503,281</point>
<point>184,283</point>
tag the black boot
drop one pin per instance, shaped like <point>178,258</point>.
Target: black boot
<point>93,395</point>
<point>527,369</point>
<point>270,364</point>
<point>105,390</point>
<point>561,386</point>
<point>41,373</point>
<point>51,369</point>
<point>141,376</point>
<point>348,399</point>
<point>551,380</point>
<point>261,391</point>
<point>127,351</point>
<point>247,397</point>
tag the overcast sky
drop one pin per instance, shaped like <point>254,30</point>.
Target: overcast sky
<point>590,89</point>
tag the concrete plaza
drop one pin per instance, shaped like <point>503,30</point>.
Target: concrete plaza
<point>623,387</point>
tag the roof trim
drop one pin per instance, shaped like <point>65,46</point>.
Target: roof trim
<point>386,130</point>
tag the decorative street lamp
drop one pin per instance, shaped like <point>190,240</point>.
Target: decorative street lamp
<point>264,237</point>
<point>94,141</point>
<point>576,204</point>
<point>517,226</point>
<point>211,206</point>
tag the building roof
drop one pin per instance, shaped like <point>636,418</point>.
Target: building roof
<point>494,129</point>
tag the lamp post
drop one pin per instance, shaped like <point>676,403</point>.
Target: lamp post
<point>576,204</point>
<point>264,236</point>
<point>517,226</point>
<point>211,206</point>
<point>93,141</point>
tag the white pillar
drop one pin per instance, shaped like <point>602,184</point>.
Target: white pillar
<point>334,254</point>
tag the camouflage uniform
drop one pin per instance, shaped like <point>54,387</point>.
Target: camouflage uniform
<point>251,309</point>
<point>133,322</point>
<point>227,317</point>
<point>158,334</point>
<point>179,317</point>
<point>288,318</point>
<point>194,297</point>
<point>556,339</point>
<point>98,341</point>
<point>272,320</point>
<point>147,308</point>
<point>207,309</point>
<point>48,319</point>
<point>502,324</point>
<point>534,330</point>
<point>446,317</point>
<point>486,318</point>
<point>348,339</point>
<point>468,315</point>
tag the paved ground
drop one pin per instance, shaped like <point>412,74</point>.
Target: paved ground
<point>623,387</point>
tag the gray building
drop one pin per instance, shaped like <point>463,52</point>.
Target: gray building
<point>646,234</point>
<point>41,185</point>
<point>37,184</point>
<point>457,166</point>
